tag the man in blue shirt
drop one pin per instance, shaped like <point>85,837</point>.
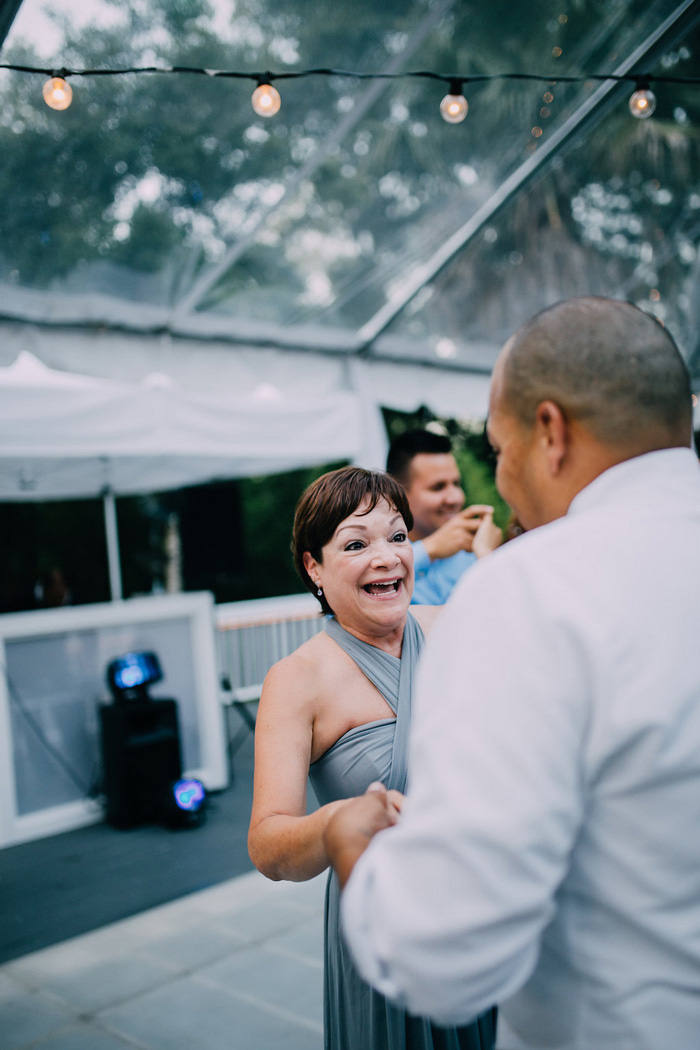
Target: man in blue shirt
<point>447,539</point>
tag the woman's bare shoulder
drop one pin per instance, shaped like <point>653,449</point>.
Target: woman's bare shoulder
<point>298,675</point>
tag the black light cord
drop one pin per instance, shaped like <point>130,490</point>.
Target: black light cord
<point>266,77</point>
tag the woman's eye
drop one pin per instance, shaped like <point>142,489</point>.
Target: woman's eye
<point>399,537</point>
<point>355,545</point>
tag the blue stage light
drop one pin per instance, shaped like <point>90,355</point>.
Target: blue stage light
<point>129,676</point>
<point>189,795</point>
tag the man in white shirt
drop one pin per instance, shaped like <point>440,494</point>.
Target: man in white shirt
<point>547,857</point>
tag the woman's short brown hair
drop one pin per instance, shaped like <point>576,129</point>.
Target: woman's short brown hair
<point>332,498</point>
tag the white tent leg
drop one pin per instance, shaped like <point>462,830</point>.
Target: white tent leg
<point>115,575</point>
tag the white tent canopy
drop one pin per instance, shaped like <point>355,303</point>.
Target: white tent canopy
<point>209,412</point>
<point>65,435</point>
<point>354,224</point>
<point>70,436</point>
<point>257,371</point>
<point>355,242</point>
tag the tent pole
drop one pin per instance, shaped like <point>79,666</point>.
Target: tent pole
<point>115,576</point>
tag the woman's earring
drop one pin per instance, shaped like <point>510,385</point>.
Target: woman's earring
<point>319,592</point>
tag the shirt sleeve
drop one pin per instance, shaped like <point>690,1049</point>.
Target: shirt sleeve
<point>443,912</point>
<point>435,580</point>
<point>427,588</point>
<point>421,558</point>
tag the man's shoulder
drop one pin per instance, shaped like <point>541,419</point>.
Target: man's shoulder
<point>593,556</point>
<point>526,562</point>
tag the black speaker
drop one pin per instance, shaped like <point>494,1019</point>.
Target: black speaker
<point>141,759</point>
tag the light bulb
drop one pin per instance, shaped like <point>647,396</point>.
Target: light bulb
<point>454,108</point>
<point>642,103</point>
<point>266,100</point>
<point>57,92</point>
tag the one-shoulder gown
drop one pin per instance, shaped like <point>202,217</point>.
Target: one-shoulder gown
<point>355,1016</point>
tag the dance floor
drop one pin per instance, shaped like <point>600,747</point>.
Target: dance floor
<point>65,885</point>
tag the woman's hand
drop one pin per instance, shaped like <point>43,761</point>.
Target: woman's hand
<point>352,827</point>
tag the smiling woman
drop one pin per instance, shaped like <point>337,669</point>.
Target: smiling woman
<point>338,711</point>
<point>368,557</point>
<point>351,527</point>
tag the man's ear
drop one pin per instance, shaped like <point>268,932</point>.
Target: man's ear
<point>553,432</point>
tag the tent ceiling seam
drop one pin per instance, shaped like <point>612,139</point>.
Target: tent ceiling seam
<point>376,356</point>
<point>682,19</point>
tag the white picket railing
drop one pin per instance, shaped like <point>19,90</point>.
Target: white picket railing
<point>250,637</point>
<point>253,635</point>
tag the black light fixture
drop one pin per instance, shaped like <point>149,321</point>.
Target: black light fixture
<point>142,763</point>
<point>129,676</point>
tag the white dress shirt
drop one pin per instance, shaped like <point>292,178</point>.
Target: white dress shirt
<point>548,856</point>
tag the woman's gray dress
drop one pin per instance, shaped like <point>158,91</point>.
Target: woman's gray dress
<point>355,1016</point>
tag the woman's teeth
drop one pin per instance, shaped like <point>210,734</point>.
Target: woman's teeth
<point>382,588</point>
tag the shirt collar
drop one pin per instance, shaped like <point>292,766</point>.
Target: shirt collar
<point>637,475</point>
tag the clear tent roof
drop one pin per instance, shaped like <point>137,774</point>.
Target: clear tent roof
<point>355,220</point>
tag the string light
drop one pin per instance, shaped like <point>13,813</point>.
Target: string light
<point>643,102</point>
<point>57,92</point>
<point>266,99</point>
<point>454,106</point>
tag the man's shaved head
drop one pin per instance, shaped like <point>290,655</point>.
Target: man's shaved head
<point>606,364</point>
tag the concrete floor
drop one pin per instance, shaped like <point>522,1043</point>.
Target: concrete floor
<point>234,967</point>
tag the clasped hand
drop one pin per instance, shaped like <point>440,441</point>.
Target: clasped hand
<point>352,827</point>
<point>472,529</point>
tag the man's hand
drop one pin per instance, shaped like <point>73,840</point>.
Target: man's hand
<point>487,537</point>
<point>352,827</point>
<point>459,533</point>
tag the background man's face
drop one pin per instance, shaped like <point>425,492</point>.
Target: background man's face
<point>434,491</point>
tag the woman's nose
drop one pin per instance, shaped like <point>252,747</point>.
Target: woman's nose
<point>385,554</point>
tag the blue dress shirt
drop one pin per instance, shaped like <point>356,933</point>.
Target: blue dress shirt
<point>435,579</point>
